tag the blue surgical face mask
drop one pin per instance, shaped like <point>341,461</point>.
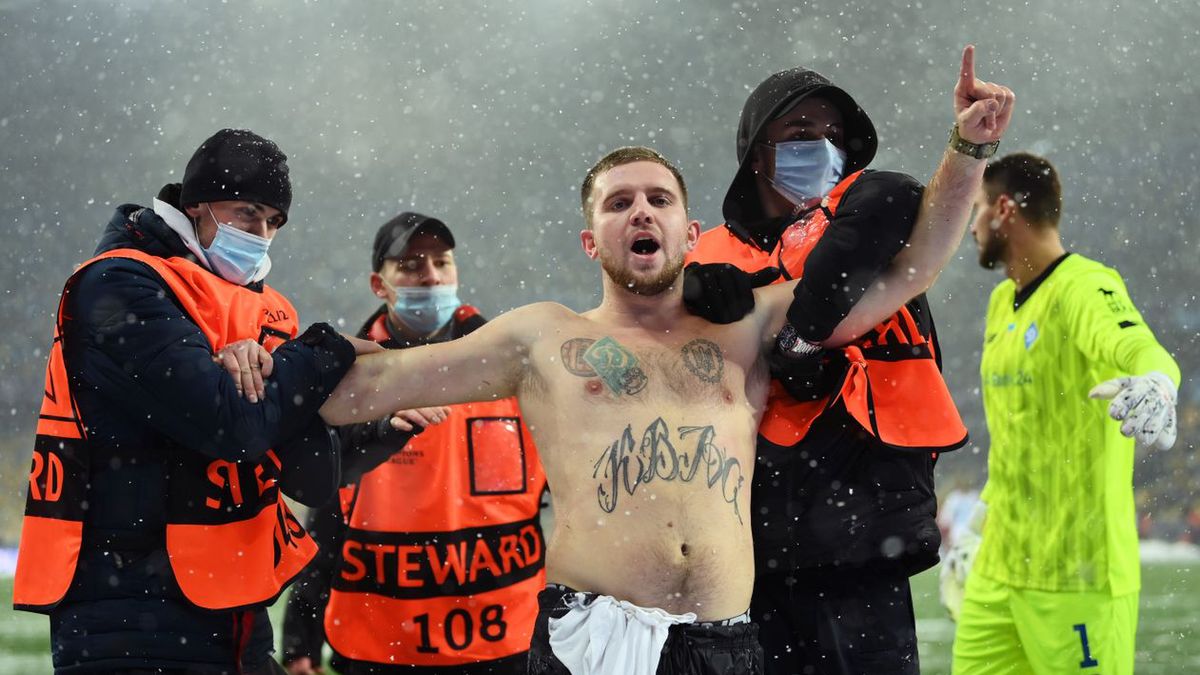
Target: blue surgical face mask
<point>807,170</point>
<point>424,309</point>
<point>234,255</point>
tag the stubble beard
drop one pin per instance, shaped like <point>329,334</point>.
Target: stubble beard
<point>628,280</point>
<point>991,254</point>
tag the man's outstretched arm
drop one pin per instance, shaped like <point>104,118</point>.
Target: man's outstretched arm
<point>486,365</point>
<point>982,113</point>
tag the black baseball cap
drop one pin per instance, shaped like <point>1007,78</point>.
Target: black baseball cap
<point>392,238</point>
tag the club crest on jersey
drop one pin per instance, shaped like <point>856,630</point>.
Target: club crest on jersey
<point>1031,335</point>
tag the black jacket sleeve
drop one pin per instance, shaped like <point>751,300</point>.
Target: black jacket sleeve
<point>311,464</point>
<point>367,445</point>
<point>143,352</point>
<point>872,224</point>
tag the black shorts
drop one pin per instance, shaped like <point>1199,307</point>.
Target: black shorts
<point>837,622</point>
<point>691,649</point>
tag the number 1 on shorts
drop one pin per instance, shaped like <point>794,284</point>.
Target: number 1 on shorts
<point>1088,661</point>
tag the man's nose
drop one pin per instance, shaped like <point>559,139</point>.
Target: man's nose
<point>430,275</point>
<point>260,228</point>
<point>641,213</point>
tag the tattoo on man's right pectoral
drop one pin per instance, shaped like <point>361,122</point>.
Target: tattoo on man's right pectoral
<point>627,464</point>
<point>606,359</point>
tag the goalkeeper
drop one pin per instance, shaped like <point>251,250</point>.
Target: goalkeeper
<point>1054,585</point>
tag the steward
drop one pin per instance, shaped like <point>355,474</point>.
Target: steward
<point>155,532</point>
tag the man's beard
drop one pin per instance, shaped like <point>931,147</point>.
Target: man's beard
<point>992,253</point>
<point>625,277</point>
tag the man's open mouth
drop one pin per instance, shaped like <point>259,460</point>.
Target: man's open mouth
<point>645,246</point>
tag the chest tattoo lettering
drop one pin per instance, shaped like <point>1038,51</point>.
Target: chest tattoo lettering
<point>629,463</point>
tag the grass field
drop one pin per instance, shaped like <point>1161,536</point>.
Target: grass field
<point>1168,640</point>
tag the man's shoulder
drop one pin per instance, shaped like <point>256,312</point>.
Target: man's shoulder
<point>885,196</point>
<point>1076,265</point>
<point>546,308</point>
<point>1003,292</point>
<point>882,185</point>
<point>115,272</point>
<point>1080,274</point>
<point>534,320</point>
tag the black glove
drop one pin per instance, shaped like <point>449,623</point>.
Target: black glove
<point>808,377</point>
<point>334,353</point>
<point>722,293</point>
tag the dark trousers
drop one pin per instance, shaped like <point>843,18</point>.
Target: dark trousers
<point>836,622</point>
<point>691,649</point>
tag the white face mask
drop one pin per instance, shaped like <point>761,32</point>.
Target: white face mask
<point>234,255</point>
<point>807,170</point>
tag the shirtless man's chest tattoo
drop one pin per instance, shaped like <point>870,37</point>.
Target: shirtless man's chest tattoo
<point>623,374</point>
<point>659,455</point>
<point>696,371</point>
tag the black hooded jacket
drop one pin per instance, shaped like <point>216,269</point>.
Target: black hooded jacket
<point>838,497</point>
<point>147,388</point>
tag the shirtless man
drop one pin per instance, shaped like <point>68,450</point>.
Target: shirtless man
<point>646,416</point>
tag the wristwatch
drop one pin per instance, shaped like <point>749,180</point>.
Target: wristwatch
<point>789,343</point>
<point>976,150</point>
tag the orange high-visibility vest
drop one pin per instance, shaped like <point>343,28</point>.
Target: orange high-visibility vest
<point>892,388</point>
<point>231,539</point>
<point>444,554</point>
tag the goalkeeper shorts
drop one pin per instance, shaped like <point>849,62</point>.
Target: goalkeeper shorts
<point>1009,630</point>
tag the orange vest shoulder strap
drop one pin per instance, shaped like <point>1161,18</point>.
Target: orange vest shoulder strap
<point>225,312</point>
<point>721,245</point>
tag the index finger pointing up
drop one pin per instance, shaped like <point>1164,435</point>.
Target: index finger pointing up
<point>966,74</point>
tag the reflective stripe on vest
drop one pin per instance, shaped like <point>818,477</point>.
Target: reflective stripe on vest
<point>892,387</point>
<point>444,554</point>
<point>231,539</point>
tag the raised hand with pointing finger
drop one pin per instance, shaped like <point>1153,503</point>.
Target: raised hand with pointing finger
<point>982,110</point>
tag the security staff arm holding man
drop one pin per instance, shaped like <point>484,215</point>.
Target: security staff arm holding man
<point>155,534</point>
<point>843,497</point>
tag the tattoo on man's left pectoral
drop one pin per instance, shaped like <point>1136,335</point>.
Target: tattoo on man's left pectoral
<point>628,463</point>
<point>704,359</point>
<point>606,359</point>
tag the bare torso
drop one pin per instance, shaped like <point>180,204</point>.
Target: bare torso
<point>647,438</point>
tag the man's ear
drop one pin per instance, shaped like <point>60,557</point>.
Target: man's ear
<point>588,239</point>
<point>693,234</point>
<point>377,287</point>
<point>193,211</point>
<point>1006,208</point>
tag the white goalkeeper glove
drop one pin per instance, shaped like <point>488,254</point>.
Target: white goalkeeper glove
<point>1145,406</point>
<point>958,561</point>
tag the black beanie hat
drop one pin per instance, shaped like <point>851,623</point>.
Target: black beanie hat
<point>236,164</point>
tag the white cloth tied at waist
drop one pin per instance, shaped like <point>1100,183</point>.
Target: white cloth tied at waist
<point>611,636</point>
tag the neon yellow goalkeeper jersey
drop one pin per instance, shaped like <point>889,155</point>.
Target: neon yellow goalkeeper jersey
<point>1060,474</point>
